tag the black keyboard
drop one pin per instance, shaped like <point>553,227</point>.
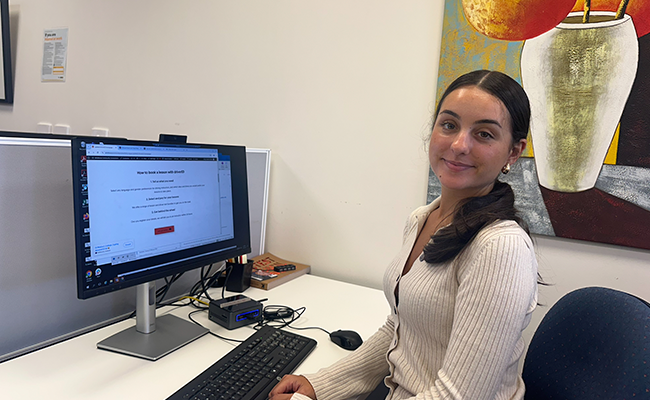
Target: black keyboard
<point>251,369</point>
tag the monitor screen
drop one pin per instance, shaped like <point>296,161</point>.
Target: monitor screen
<point>146,210</point>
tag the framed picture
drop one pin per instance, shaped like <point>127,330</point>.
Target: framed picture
<point>585,174</point>
<point>6,77</point>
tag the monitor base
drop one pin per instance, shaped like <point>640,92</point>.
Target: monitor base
<point>171,333</point>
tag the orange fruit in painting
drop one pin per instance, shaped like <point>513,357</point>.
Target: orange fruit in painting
<point>515,19</point>
<point>639,10</point>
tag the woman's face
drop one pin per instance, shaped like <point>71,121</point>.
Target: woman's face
<point>471,141</point>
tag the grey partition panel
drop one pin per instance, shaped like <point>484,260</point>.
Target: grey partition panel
<point>37,267</point>
<point>258,166</point>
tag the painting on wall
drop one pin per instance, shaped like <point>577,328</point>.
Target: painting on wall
<point>586,69</point>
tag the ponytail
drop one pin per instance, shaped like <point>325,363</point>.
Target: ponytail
<point>472,215</point>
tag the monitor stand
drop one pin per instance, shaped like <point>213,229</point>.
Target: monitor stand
<point>152,338</point>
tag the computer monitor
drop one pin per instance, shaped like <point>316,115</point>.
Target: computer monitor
<point>145,210</point>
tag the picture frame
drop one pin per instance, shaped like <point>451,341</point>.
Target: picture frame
<point>6,76</point>
<point>608,199</point>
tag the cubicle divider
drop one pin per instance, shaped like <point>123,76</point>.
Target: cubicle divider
<point>38,289</point>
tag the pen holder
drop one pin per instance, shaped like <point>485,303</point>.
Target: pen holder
<point>240,276</point>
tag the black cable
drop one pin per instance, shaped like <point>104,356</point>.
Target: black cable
<point>223,288</point>
<point>287,315</point>
<point>162,292</point>
<point>310,327</point>
<point>190,302</point>
<point>195,293</point>
<point>199,289</point>
<point>275,316</point>
<point>211,280</point>
<point>209,331</point>
<point>203,279</point>
<point>280,316</point>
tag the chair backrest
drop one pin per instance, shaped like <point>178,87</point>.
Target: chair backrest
<point>594,343</point>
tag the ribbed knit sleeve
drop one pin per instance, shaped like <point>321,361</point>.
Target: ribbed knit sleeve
<point>360,372</point>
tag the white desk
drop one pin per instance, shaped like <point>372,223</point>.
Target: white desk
<point>76,369</point>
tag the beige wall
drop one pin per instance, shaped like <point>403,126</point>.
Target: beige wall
<point>340,90</point>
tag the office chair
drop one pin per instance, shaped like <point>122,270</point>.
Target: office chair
<point>594,343</point>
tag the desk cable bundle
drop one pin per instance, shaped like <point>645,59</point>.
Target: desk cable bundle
<point>234,311</point>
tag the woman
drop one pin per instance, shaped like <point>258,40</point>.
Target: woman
<point>464,285</point>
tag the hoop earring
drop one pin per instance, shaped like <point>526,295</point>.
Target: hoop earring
<point>505,169</point>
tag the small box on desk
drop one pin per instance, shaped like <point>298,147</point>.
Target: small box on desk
<point>265,277</point>
<point>235,311</point>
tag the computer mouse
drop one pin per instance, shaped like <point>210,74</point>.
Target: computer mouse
<point>348,340</point>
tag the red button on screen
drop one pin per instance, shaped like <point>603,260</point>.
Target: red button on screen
<point>166,229</point>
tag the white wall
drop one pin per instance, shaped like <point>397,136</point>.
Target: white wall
<point>340,90</point>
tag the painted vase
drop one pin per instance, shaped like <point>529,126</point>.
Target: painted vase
<point>578,77</point>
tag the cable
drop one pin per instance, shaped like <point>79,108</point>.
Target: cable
<point>277,316</point>
<point>283,315</point>
<point>274,312</point>
<point>209,331</point>
<point>200,288</point>
<point>223,288</point>
<point>309,327</point>
<point>287,315</point>
<point>162,292</point>
<point>193,298</point>
<point>203,279</point>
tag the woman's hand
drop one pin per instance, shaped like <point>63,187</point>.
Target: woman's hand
<point>291,384</point>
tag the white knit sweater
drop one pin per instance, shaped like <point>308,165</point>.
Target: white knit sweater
<point>457,332</point>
